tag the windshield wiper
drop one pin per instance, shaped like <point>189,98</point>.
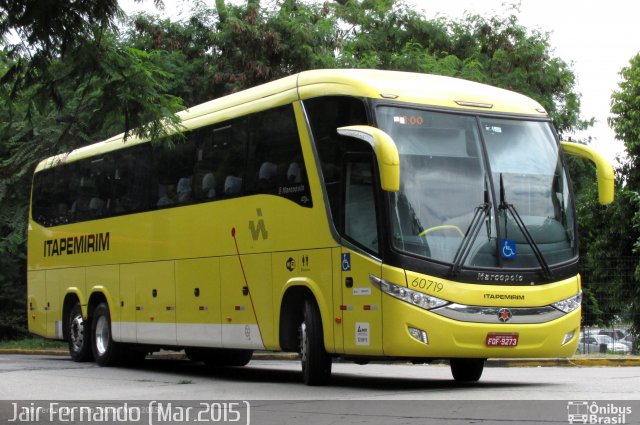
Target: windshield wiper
<point>471,234</point>
<point>505,206</point>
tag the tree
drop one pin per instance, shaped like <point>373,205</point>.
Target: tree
<point>68,82</point>
<point>230,47</point>
<point>619,225</point>
<point>625,110</point>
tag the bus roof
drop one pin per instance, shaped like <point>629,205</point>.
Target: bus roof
<point>426,89</point>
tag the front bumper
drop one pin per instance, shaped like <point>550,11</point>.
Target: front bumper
<point>453,338</point>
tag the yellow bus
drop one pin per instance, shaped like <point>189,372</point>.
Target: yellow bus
<point>358,214</point>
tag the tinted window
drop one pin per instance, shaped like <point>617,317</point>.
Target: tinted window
<point>275,164</point>
<point>360,223</point>
<point>256,154</point>
<point>325,115</point>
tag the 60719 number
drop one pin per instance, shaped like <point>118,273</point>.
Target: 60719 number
<point>427,285</point>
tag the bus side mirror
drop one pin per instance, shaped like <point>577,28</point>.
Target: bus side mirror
<point>604,170</point>
<point>386,153</point>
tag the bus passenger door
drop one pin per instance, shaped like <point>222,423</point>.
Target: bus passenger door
<point>361,302</point>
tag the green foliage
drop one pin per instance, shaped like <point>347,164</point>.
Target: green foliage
<point>497,51</point>
<point>625,119</point>
<point>607,238</point>
<point>33,343</point>
<point>230,47</point>
<point>62,89</point>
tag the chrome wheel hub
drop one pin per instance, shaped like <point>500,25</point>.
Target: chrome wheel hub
<point>76,333</point>
<point>103,335</point>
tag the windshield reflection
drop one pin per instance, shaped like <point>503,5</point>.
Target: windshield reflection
<point>445,178</point>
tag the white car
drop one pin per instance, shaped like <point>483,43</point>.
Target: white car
<point>628,341</point>
<point>612,346</point>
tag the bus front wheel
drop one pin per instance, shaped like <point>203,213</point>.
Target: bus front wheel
<point>106,351</point>
<point>316,362</point>
<point>79,336</point>
<point>467,370</point>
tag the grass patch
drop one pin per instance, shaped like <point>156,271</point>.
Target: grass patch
<point>185,381</point>
<point>33,344</point>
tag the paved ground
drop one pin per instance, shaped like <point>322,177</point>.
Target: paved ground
<point>271,391</point>
<point>45,377</point>
<point>577,360</point>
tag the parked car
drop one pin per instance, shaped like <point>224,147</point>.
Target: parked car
<point>628,340</point>
<point>588,345</point>
<point>612,346</point>
<point>616,334</point>
<point>591,344</point>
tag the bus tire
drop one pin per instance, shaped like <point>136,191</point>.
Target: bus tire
<point>316,362</point>
<point>79,332</point>
<point>106,351</point>
<point>467,370</point>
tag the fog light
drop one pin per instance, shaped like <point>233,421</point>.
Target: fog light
<point>419,334</point>
<point>568,337</point>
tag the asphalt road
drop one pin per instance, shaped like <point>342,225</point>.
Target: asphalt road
<point>373,393</point>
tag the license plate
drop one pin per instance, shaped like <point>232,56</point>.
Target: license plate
<point>502,340</point>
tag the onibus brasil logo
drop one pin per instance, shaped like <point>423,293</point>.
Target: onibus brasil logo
<point>583,412</point>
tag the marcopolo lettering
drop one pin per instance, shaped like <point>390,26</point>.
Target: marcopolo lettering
<point>500,277</point>
<point>285,190</point>
<point>95,242</point>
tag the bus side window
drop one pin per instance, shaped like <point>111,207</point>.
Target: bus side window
<point>232,141</point>
<point>325,115</point>
<point>275,164</point>
<point>44,202</point>
<point>134,181</point>
<point>360,223</point>
<point>205,183</point>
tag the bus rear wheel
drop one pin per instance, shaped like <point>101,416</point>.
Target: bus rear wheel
<point>467,370</point>
<point>79,336</point>
<point>106,351</point>
<point>316,362</point>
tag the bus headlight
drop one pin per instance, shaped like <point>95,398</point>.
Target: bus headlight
<point>569,304</point>
<point>410,296</point>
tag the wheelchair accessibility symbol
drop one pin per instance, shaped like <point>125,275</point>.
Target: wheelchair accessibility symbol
<point>508,249</point>
<point>346,262</point>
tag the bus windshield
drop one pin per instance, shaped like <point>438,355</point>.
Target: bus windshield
<point>479,192</point>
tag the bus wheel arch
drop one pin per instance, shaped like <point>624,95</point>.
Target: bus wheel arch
<point>95,299</point>
<point>291,315</point>
<point>70,300</point>
<point>301,330</point>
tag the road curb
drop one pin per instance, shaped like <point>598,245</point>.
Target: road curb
<point>570,362</point>
<point>627,361</point>
<point>43,352</point>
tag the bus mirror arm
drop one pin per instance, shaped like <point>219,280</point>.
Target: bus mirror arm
<point>385,150</point>
<point>604,170</point>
